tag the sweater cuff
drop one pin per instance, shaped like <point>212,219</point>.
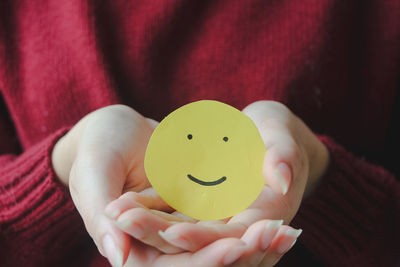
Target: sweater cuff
<point>347,211</point>
<point>34,204</point>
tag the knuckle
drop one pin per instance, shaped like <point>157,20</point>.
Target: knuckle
<point>274,121</point>
<point>119,108</point>
<point>271,106</point>
<point>122,111</point>
<point>278,106</point>
<point>130,195</point>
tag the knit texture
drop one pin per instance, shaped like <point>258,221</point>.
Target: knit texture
<point>353,215</point>
<point>335,64</point>
<point>35,209</point>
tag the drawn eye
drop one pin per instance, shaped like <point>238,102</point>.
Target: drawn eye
<point>189,136</point>
<point>225,139</point>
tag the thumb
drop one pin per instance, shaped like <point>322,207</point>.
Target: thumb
<point>283,157</point>
<point>93,185</point>
<point>281,162</point>
<point>99,176</point>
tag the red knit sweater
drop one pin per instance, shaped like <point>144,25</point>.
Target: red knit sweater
<point>335,63</point>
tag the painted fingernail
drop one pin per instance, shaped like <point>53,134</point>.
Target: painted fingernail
<point>113,214</point>
<point>168,236</point>
<point>113,254</point>
<point>294,232</point>
<point>123,223</point>
<point>289,239</point>
<point>282,175</point>
<point>270,231</point>
<point>234,254</point>
<point>174,239</point>
<point>133,228</point>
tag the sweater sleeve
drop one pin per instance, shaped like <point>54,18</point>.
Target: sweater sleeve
<point>38,220</point>
<point>352,219</point>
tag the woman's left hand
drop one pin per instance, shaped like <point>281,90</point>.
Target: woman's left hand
<point>294,163</point>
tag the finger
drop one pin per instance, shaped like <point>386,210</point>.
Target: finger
<point>222,252</point>
<point>149,198</point>
<point>91,193</point>
<point>260,234</point>
<point>258,237</point>
<point>281,161</point>
<point>264,207</point>
<point>193,237</point>
<point>283,241</point>
<point>174,217</point>
<point>125,202</point>
<point>141,254</point>
<point>129,200</point>
<point>283,158</point>
<point>144,225</point>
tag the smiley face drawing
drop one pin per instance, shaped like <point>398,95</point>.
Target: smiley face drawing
<point>205,160</point>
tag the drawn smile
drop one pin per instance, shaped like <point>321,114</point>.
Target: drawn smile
<point>194,179</point>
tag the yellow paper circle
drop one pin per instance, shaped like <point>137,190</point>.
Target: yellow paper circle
<point>205,160</point>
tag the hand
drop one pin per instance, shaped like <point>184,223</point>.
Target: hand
<point>294,163</point>
<point>100,158</point>
<point>265,240</point>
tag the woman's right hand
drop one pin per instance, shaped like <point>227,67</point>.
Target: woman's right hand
<point>99,159</point>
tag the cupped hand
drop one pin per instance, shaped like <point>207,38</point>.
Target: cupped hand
<point>203,243</point>
<point>263,240</point>
<point>100,158</point>
<point>294,163</point>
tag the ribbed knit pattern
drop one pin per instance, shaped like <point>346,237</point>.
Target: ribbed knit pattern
<point>353,215</point>
<point>37,216</point>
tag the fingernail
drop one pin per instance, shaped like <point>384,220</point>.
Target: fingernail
<point>175,239</point>
<point>293,232</point>
<point>234,254</point>
<point>113,254</point>
<point>282,175</point>
<point>290,238</point>
<point>168,236</point>
<point>114,214</point>
<point>123,223</point>
<point>134,229</point>
<point>270,231</point>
